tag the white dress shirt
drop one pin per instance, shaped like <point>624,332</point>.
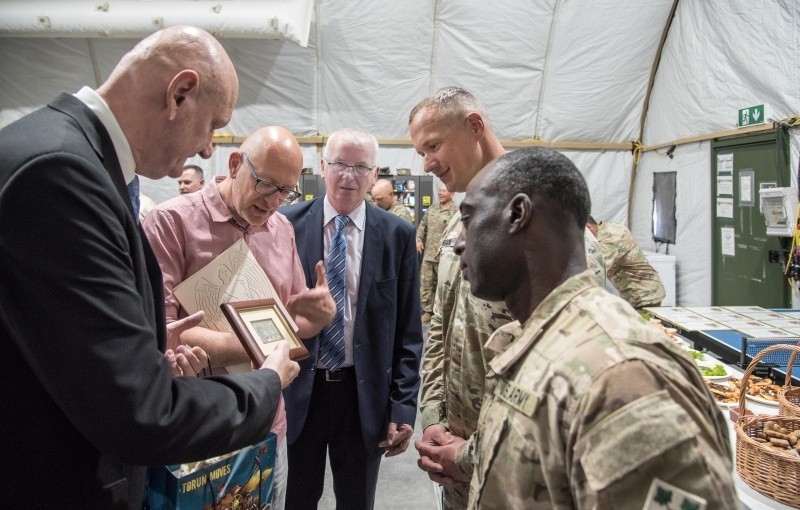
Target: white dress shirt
<point>354,237</point>
<point>123,149</point>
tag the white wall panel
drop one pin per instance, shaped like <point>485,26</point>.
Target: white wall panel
<point>496,50</point>
<point>374,64</point>
<point>722,56</point>
<point>693,215</point>
<point>600,60</point>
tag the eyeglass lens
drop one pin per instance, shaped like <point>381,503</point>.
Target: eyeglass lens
<point>340,167</point>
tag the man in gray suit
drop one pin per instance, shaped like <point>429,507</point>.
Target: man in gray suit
<point>89,395</point>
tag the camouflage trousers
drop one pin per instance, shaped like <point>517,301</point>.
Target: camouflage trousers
<point>428,275</point>
<point>455,497</point>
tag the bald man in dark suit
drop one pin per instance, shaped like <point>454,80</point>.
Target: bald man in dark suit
<point>88,395</point>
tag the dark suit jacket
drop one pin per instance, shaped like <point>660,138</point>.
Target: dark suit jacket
<point>387,337</point>
<point>86,393</point>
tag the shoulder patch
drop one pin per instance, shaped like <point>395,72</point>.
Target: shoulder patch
<point>661,494</point>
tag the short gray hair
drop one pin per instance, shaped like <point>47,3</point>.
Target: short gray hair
<point>451,103</point>
<point>353,135</point>
<point>197,170</point>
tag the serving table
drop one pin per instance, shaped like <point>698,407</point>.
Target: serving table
<point>724,345</point>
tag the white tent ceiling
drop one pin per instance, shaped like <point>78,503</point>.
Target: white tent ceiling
<point>575,74</point>
<point>252,19</point>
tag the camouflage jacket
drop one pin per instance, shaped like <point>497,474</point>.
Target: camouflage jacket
<point>432,226</point>
<point>400,210</point>
<point>588,404</point>
<point>594,257</point>
<point>454,363</point>
<point>627,267</point>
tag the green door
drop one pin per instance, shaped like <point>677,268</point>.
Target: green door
<point>742,272</point>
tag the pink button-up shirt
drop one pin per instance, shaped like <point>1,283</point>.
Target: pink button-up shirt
<point>189,231</point>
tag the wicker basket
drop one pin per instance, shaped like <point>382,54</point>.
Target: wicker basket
<point>769,470</point>
<point>789,396</point>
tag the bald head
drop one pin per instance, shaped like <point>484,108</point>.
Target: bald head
<point>383,194</point>
<point>267,165</point>
<point>169,94</point>
<point>275,144</point>
<point>382,185</point>
<point>174,49</point>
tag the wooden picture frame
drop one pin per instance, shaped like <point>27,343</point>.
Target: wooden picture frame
<point>260,324</point>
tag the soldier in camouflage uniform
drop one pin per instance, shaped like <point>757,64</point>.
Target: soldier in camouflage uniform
<point>429,238</point>
<point>628,269</point>
<point>561,425</point>
<point>400,210</point>
<point>383,196</point>
<point>454,363</point>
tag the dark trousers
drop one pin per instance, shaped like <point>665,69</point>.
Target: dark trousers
<point>332,427</point>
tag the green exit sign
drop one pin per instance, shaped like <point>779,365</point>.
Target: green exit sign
<point>753,115</point>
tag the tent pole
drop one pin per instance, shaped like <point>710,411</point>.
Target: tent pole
<point>98,81</point>
<point>645,107</point>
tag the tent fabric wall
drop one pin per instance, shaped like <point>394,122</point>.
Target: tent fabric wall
<point>692,248</point>
<point>718,57</point>
<point>564,71</point>
<point>722,56</point>
<point>253,19</point>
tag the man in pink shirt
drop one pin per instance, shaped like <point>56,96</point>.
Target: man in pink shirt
<point>191,230</point>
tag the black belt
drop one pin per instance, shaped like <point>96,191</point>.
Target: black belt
<point>342,374</point>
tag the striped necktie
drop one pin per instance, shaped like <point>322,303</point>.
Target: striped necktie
<point>332,345</point>
<point>133,194</point>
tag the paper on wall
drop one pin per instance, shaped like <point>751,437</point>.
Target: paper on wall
<point>724,185</point>
<point>724,163</point>
<point>728,238</point>
<point>724,208</point>
<point>746,187</point>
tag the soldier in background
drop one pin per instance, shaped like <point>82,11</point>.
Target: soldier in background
<point>383,196</point>
<point>451,132</point>
<point>631,274</point>
<point>191,180</point>
<point>429,238</point>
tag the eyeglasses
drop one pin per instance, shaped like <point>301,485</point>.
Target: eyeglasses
<point>341,168</point>
<point>268,188</point>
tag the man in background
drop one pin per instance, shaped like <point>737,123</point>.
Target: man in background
<point>189,231</point>
<point>191,179</point>
<point>429,238</point>
<point>585,405</point>
<point>451,132</point>
<point>384,197</point>
<point>88,393</point>
<point>626,265</point>
<point>356,395</point>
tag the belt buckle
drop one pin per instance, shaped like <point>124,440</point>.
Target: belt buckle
<point>328,376</point>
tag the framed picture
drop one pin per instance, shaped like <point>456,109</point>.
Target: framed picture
<point>260,324</point>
